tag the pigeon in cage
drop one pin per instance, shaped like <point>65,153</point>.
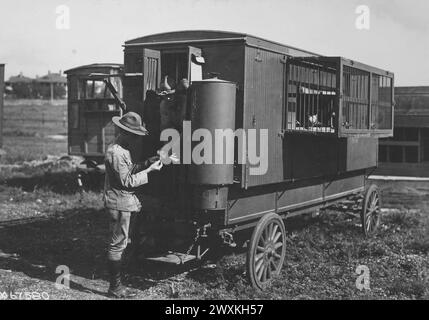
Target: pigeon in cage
<point>314,121</point>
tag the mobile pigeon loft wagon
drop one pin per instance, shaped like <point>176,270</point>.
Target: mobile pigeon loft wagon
<point>322,116</point>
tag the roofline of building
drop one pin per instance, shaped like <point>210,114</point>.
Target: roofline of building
<point>411,90</point>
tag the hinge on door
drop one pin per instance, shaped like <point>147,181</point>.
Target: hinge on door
<point>254,121</point>
<point>283,59</point>
<point>258,57</point>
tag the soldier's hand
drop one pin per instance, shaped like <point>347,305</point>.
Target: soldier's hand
<point>156,166</point>
<point>152,160</point>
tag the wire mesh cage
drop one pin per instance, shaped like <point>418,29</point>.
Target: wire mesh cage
<point>338,96</point>
<point>311,97</point>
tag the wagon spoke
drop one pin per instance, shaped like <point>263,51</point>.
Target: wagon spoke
<point>270,231</point>
<point>278,245</point>
<point>376,204</point>
<point>269,271</point>
<point>264,274</point>
<point>258,261</point>
<point>258,265</point>
<point>261,243</point>
<point>278,235</point>
<point>371,199</point>
<point>262,238</point>
<point>375,218</point>
<point>260,271</point>
<point>274,232</point>
<point>374,209</point>
<point>273,264</point>
<point>275,254</point>
<point>259,256</point>
<point>368,223</point>
<point>374,200</point>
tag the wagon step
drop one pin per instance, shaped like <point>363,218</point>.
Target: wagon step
<point>173,258</point>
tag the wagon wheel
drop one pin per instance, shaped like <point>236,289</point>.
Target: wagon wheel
<point>370,214</point>
<point>267,251</point>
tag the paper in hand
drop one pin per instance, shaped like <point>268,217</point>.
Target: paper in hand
<point>166,159</point>
<point>174,159</point>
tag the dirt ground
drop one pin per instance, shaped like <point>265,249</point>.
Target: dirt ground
<point>46,222</point>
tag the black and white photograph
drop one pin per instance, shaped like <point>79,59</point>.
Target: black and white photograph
<point>214,157</point>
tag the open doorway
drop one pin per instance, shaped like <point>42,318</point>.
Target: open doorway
<point>172,70</point>
<point>178,65</point>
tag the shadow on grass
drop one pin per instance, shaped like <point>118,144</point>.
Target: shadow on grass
<point>75,240</point>
<point>59,182</point>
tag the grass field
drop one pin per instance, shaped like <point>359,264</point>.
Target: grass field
<point>46,222</point>
<point>33,129</point>
<point>50,225</point>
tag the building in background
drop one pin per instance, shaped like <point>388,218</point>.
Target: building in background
<point>407,153</point>
<point>20,86</point>
<point>51,86</point>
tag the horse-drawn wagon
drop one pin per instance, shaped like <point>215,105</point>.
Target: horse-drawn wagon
<point>317,119</point>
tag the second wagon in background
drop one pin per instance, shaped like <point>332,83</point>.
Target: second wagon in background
<point>91,106</point>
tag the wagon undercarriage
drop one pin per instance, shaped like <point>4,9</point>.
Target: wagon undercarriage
<point>180,242</point>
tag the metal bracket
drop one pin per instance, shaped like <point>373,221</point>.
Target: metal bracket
<point>112,89</point>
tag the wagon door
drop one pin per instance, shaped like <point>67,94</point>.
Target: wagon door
<point>151,70</point>
<point>366,102</point>
<point>195,64</point>
<point>264,94</point>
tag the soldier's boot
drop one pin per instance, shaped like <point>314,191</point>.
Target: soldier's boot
<point>116,289</point>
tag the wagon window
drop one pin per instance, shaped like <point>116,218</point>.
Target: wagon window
<point>95,89</point>
<point>74,116</point>
<point>356,98</point>
<point>99,90</point>
<point>80,89</point>
<point>89,89</point>
<point>381,101</point>
<point>116,82</point>
<point>336,95</point>
<point>311,98</point>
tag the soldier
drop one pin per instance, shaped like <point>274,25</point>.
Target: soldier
<point>120,198</point>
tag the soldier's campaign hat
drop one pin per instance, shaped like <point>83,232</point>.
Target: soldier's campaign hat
<point>131,122</point>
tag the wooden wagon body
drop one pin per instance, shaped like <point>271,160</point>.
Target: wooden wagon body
<point>323,117</point>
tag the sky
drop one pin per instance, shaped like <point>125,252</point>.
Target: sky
<point>397,39</point>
